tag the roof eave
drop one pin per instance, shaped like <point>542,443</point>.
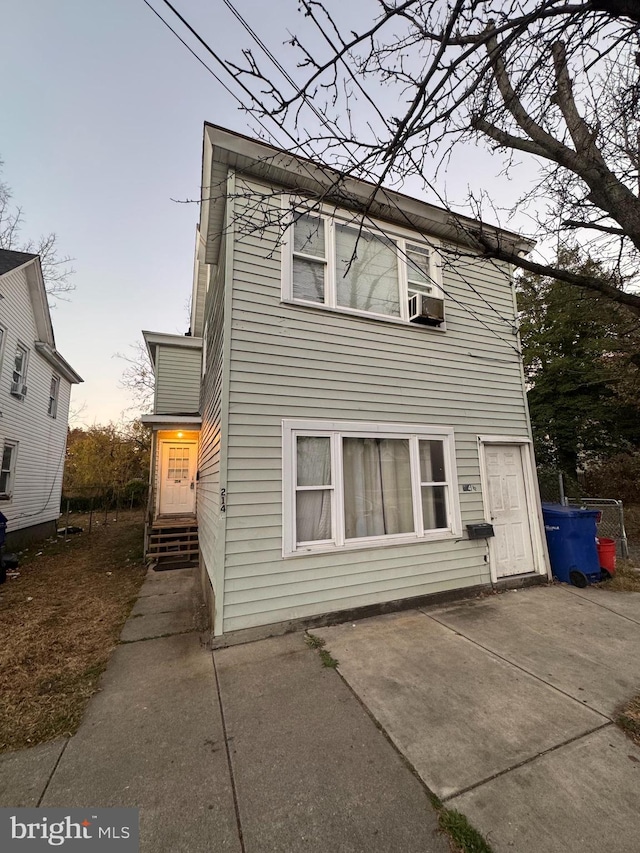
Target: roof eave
<point>257,159</point>
<point>54,358</point>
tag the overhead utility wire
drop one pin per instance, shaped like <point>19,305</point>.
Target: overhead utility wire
<point>287,133</point>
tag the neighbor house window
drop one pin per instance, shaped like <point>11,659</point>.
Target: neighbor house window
<point>356,267</point>
<point>352,485</point>
<point>7,469</point>
<point>19,368</point>
<point>54,391</point>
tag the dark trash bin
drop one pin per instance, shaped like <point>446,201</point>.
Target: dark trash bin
<point>3,536</point>
<point>571,537</point>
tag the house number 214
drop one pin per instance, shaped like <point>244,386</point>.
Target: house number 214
<point>223,497</point>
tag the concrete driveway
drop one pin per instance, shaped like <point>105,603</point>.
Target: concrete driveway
<point>504,707</point>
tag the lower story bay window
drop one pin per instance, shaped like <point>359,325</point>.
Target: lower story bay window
<point>352,485</point>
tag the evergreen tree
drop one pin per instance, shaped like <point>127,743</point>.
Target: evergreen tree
<point>581,358</point>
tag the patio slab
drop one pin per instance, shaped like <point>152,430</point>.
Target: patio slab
<point>587,652</point>
<point>457,712</point>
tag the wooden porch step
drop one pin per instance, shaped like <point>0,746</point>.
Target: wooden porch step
<point>173,540</point>
<point>187,552</point>
<point>186,534</point>
<point>175,521</point>
<point>174,548</point>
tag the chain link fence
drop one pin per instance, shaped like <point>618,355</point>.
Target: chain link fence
<point>88,506</point>
<point>555,487</point>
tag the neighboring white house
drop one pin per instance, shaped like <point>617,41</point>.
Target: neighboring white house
<point>35,386</point>
<point>351,399</point>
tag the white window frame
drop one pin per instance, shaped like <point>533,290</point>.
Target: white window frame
<point>52,408</point>
<point>3,339</point>
<point>25,364</point>
<point>336,430</point>
<point>205,339</point>
<point>11,470</point>
<point>402,237</point>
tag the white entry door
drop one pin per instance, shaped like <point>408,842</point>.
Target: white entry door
<point>511,548</point>
<point>177,477</point>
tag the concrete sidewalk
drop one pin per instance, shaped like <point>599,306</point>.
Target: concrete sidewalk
<point>505,708</point>
<point>254,749</point>
<point>502,705</point>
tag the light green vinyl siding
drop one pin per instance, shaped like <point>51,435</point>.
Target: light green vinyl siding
<point>178,371</point>
<point>289,361</point>
<point>210,517</point>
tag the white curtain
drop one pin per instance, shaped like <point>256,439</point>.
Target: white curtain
<point>313,506</point>
<point>366,272</point>
<point>434,507</point>
<point>377,487</point>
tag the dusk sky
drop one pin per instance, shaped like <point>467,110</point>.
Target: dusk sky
<point>101,112</point>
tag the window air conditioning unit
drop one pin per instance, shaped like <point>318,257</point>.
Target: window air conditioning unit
<point>428,310</point>
<point>18,389</point>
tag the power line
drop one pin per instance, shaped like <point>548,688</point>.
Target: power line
<point>296,142</point>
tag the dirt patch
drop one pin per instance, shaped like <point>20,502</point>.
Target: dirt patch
<point>61,618</point>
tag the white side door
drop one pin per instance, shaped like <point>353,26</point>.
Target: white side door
<point>177,477</point>
<point>511,548</point>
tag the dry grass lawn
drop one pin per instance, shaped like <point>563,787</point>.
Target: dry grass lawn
<point>626,578</point>
<point>629,719</point>
<point>61,618</point>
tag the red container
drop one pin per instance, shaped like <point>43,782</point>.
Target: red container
<point>607,555</point>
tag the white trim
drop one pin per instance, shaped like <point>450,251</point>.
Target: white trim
<point>162,338</point>
<point>402,237</point>
<point>335,430</point>
<point>538,541</point>
<point>504,439</point>
<point>8,442</point>
<point>22,381</point>
<point>255,157</point>
<point>52,407</point>
<point>170,420</point>
<point>54,358</point>
<point>205,333</point>
<point>3,342</point>
<point>229,237</point>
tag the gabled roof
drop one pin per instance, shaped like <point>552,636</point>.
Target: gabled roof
<point>10,260</point>
<point>46,344</point>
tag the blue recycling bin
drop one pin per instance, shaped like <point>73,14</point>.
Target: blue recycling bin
<point>571,537</point>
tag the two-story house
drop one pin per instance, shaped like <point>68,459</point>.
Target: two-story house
<point>350,398</point>
<point>35,387</point>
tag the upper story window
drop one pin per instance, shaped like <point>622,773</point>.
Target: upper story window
<point>54,392</point>
<point>346,267</point>
<point>349,486</point>
<point>18,386</point>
